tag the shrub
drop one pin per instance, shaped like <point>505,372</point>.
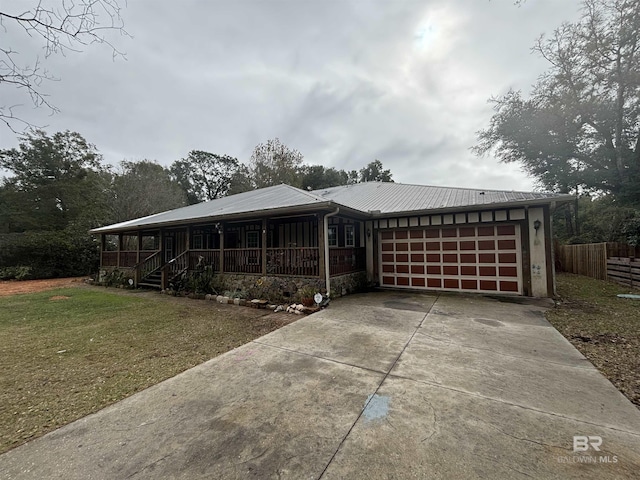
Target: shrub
<point>49,254</point>
<point>20,272</point>
<point>116,278</point>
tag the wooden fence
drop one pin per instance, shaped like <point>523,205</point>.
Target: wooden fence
<point>614,261</point>
<point>588,259</point>
<point>624,270</point>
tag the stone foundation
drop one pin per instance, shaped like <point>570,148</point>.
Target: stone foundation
<point>283,289</point>
<point>276,289</point>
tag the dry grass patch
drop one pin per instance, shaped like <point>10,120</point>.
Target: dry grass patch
<point>603,327</point>
<point>70,352</point>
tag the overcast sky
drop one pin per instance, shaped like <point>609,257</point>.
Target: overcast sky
<point>343,82</point>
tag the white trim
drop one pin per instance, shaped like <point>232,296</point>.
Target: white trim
<point>348,228</point>
<point>333,228</point>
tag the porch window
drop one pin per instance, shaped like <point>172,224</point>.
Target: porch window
<point>253,240</point>
<point>349,236</point>
<point>333,236</point>
<point>111,243</point>
<point>150,242</point>
<point>197,242</point>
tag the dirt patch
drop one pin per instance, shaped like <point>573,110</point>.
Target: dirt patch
<point>14,287</point>
<point>59,297</point>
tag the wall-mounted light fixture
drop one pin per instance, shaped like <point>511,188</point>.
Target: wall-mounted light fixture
<point>537,225</point>
<point>368,233</point>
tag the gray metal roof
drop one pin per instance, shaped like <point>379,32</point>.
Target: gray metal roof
<point>390,198</point>
<point>372,198</point>
<point>278,197</point>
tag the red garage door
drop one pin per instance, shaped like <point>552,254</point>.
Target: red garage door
<point>484,258</point>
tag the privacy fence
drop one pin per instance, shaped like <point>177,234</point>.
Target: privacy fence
<point>605,261</point>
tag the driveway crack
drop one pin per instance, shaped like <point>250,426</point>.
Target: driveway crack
<point>372,396</point>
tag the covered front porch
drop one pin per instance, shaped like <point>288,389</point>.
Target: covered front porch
<point>293,246</point>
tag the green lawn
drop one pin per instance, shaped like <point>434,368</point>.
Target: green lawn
<point>605,328</point>
<point>70,352</point>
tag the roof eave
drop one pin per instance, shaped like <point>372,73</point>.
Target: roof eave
<point>298,209</point>
<point>477,207</point>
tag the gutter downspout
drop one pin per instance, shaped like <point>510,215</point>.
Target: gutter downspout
<point>326,250</point>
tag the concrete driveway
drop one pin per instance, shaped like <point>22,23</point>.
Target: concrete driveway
<point>381,385</point>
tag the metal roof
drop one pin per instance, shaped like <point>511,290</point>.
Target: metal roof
<point>386,197</point>
<point>278,197</point>
<point>368,199</point>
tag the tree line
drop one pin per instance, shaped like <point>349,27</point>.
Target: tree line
<point>578,132</point>
<point>59,188</point>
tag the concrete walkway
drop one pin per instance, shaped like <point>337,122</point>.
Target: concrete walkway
<point>382,385</point>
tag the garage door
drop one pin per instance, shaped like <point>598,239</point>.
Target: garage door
<point>484,258</point>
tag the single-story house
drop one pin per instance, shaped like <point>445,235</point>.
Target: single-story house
<point>391,235</point>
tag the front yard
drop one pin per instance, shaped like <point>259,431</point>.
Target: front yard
<point>66,353</point>
<point>603,327</point>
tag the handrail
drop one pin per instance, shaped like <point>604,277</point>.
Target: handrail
<point>178,265</point>
<point>149,265</point>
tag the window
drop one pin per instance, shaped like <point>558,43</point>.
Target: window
<point>349,236</point>
<point>197,242</point>
<point>150,242</point>
<point>253,240</point>
<point>333,236</point>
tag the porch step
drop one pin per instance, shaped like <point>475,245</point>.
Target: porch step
<point>154,280</point>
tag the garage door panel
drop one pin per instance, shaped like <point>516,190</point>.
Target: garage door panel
<point>483,258</point>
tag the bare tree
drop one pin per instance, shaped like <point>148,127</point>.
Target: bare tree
<point>63,26</point>
<point>273,163</point>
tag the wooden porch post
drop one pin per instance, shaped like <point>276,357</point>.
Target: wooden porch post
<point>118,250</point>
<point>321,249</point>
<point>221,233</point>
<point>264,247</point>
<point>103,242</point>
<point>139,247</point>
<point>163,275</point>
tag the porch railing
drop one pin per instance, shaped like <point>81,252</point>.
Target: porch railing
<point>346,260</point>
<point>128,258</point>
<point>109,259</point>
<point>243,260</point>
<point>299,261</point>
<point>209,258</point>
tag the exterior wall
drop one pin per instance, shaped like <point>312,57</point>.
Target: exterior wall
<point>285,289</point>
<point>371,252</point>
<point>538,253</point>
<point>537,273</point>
<point>349,283</point>
<point>275,289</point>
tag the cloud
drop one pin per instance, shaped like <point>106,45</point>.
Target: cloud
<point>343,82</point>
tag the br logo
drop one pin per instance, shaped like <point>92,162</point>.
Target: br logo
<point>582,443</point>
